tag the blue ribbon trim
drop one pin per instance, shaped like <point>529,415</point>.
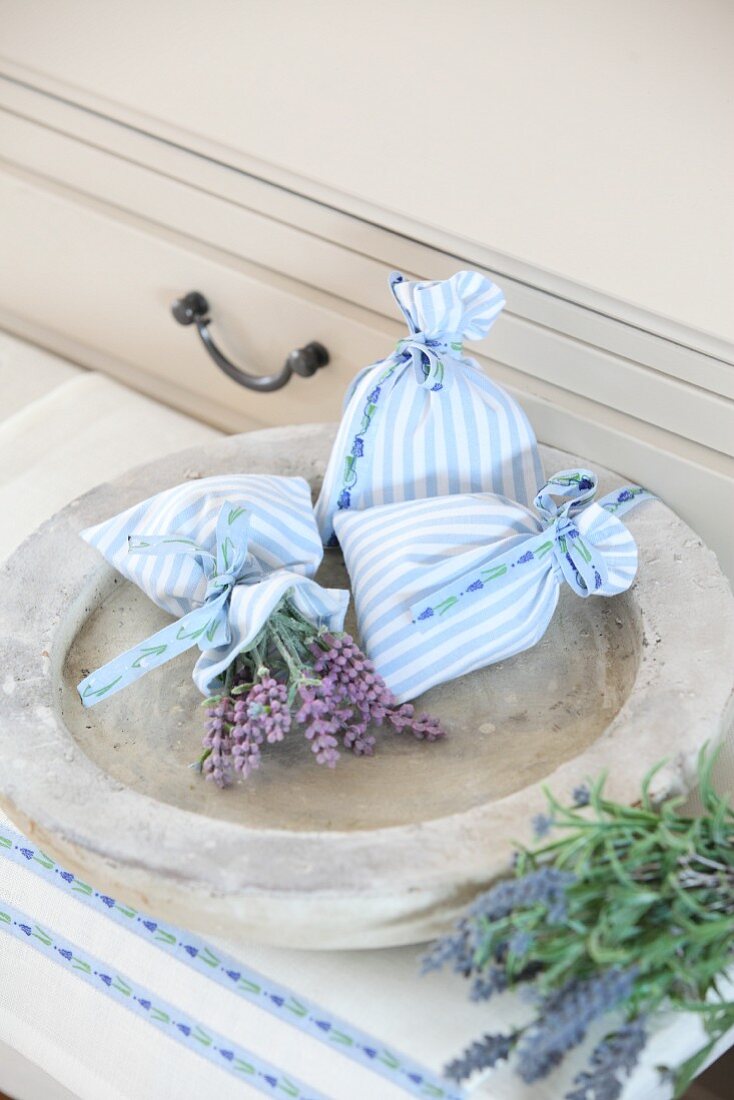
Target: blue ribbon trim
<point>229,972</point>
<point>560,545</point>
<point>167,1018</point>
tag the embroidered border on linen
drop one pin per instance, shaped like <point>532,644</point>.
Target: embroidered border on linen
<point>233,975</point>
<point>229,1056</point>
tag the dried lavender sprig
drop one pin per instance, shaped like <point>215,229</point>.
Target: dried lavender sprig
<point>454,948</point>
<point>581,795</point>
<point>564,1019</point>
<point>317,715</point>
<point>545,886</point>
<point>217,760</point>
<point>613,1059</point>
<point>353,679</point>
<point>481,1055</point>
<point>491,981</point>
<point>650,890</point>
<point>320,680</point>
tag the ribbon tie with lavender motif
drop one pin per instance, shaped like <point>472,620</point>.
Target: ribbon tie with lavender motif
<point>427,355</point>
<point>221,554</point>
<point>445,586</point>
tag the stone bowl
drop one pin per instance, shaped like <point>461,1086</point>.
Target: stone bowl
<point>383,850</point>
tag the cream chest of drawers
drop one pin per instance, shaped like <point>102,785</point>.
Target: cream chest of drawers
<point>283,158</point>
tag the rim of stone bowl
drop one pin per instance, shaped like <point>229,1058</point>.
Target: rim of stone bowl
<point>162,854</point>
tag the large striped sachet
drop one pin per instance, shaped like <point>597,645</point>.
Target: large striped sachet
<point>446,586</point>
<point>220,554</point>
<point>427,421</point>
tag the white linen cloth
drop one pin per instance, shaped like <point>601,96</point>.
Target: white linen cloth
<point>94,1045</point>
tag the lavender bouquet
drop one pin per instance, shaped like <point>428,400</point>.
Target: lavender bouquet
<point>298,676</point>
<point>232,558</point>
<point>629,910</point>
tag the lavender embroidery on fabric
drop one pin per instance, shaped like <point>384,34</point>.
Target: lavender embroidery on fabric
<point>248,984</point>
<point>357,449</point>
<point>624,497</point>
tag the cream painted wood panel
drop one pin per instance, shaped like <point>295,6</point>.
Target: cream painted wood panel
<point>210,202</point>
<point>107,283</point>
<point>527,340</point>
<point>590,142</point>
<point>96,282</point>
<point>114,278</point>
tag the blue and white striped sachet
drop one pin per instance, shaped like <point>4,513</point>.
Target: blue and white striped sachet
<point>446,586</point>
<point>219,553</point>
<point>427,421</point>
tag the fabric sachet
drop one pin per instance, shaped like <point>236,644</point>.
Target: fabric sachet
<point>427,421</point>
<point>220,554</point>
<point>449,585</point>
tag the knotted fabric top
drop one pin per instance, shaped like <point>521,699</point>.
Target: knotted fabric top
<point>440,315</point>
<point>463,307</point>
<point>448,585</point>
<point>219,553</point>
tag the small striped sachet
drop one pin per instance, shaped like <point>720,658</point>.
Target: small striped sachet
<point>427,421</point>
<point>446,586</point>
<point>220,554</point>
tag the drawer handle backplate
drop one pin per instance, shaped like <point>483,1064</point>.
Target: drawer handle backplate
<point>193,309</point>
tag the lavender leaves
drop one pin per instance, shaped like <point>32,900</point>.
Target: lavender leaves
<point>624,911</point>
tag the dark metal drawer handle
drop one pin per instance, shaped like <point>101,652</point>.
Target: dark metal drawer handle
<point>193,310</point>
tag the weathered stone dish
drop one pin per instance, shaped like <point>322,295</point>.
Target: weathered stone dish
<point>383,850</point>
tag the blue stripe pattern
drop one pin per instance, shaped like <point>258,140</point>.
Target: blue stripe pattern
<point>427,421</point>
<point>446,586</point>
<point>218,553</point>
<point>167,1018</point>
<point>294,1008</point>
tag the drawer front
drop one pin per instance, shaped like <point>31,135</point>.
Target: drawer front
<point>94,280</point>
<point>107,283</point>
<point>588,188</point>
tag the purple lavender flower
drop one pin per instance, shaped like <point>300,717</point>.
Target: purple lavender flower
<point>345,499</point>
<point>424,727</point>
<point>581,795</point>
<point>358,446</point>
<point>613,1058</point>
<point>481,1055</point>
<point>339,697</point>
<point>542,825</point>
<point>452,948</point>
<point>316,714</point>
<point>520,943</point>
<point>359,740</point>
<point>267,705</point>
<point>566,1016</point>
<point>218,740</point>
<point>246,749</point>
<point>546,886</point>
<point>485,985</point>
<point>625,495</point>
<point>261,715</point>
<point>353,682</point>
